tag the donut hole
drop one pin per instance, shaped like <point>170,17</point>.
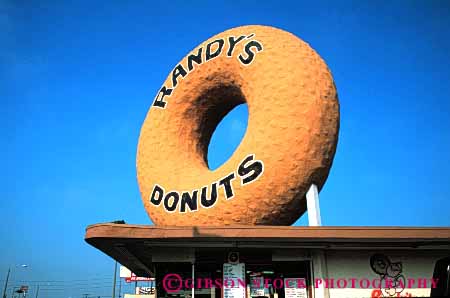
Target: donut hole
<point>227,136</point>
<point>212,107</point>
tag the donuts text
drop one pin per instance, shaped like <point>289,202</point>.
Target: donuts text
<point>249,170</point>
<point>204,54</point>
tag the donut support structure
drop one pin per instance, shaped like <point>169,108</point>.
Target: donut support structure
<point>292,131</point>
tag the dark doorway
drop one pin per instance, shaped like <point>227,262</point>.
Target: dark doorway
<point>442,273</point>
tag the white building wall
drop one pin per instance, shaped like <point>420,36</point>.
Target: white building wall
<point>401,265</point>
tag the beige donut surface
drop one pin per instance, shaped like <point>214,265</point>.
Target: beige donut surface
<point>289,144</point>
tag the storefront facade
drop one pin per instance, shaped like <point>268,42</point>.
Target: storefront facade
<point>314,261</point>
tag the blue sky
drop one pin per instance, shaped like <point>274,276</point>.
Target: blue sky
<point>77,79</point>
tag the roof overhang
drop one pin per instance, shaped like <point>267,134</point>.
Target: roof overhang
<point>131,245</point>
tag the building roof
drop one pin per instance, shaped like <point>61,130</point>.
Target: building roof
<point>130,244</point>
<point>97,232</point>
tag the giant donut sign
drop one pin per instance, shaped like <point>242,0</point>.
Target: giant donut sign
<point>289,144</point>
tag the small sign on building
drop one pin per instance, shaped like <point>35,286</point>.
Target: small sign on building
<point>295,288</point>
<point>234,280</point>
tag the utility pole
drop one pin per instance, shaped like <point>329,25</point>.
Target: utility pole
<point>114,281</point>
<point>120,286</point>
<point>6,283</point>
<point>37,291</point>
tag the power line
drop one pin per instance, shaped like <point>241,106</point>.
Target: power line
<point>70,280</point>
